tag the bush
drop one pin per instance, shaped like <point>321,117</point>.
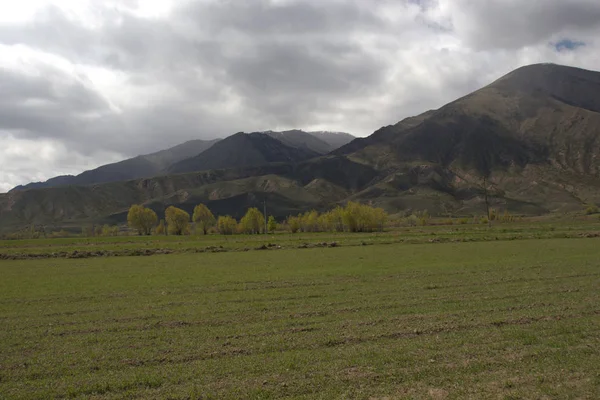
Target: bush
<point>412,220</point>
<point>591,209</point>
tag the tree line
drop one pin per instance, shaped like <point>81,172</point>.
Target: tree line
<point>353,217</point>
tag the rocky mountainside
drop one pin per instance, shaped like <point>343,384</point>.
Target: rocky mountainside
<point>533,138</point>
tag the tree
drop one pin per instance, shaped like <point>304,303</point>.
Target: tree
<point>178,221</point>
<point>106,230</point>
<point>253,221</point>
<point>363,218</point>
<point>141,219</point>
<point>160,229</point>
<point>272,224</point>
<point>333,220</point>
<point>310,221</point>
<point>293,224</point>
<point>87,231</point>
<point>203,218</point>
<point>226,225</point>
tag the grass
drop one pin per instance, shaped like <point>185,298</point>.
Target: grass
<point>123,245</point>
<point>502,319</point>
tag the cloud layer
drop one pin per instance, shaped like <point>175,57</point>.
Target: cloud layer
<point>89,82</point>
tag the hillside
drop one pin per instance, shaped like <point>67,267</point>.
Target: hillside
<point>306,140</point>
<point>533,137</point>
<point>334,139</point>
<point>143,166</point>
<point>288,188</point>
<point>243,150</point>
<point>533,133</point>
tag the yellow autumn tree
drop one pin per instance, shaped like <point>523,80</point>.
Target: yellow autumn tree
<point>226,225</point>
<point>203,218</point>
<point>178,221</point>
<point>253,222</point>
<point>141,219</point>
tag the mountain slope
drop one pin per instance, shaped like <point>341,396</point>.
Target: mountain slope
<point>334,139</point>
<point>243,150</point>
<point>288,188</point>
<point>534,133</point>
<point>137,167</point>
<point>301,139</point>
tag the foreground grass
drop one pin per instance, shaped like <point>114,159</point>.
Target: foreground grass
<point>514,319</point>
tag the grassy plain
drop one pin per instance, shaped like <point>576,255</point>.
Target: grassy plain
<point>486,319</point>
<point>123,245</point>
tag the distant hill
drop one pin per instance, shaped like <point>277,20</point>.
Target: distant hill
<point>144,166</point>
<point>149,165</point>
<point>243,150</point>
<point>334,139</point>
<point>533,137</point>
<point>301,139</point>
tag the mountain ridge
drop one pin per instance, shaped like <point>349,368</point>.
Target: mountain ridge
<point>531,137</point>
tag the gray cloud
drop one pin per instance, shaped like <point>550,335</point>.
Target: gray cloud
<point>117,83</point>
<point>512,24</point>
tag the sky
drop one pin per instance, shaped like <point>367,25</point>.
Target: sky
<point>88,82</point>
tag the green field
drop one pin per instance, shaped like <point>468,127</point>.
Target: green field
<point>499,319</point>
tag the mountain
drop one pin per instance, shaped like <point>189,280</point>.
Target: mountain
<point>334,139</point>
<point>143,166</point>
<point>531,140</point>
<point>534,134</point>
<point>319,142</point>
<point>243,150</point>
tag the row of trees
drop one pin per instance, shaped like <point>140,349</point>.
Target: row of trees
<point>354,217</point>
<point>178,222</point>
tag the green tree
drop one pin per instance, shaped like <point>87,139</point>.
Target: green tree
<point>87,231</point>
<point>272,224</point>
<point>203,218</point>
<point>178,221</point>
<point>253,221</point>
<point>226,225</point>
<point>141,219</point>
<point>106,230</point>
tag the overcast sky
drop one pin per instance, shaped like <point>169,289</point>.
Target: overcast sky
<point>84,83</point>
